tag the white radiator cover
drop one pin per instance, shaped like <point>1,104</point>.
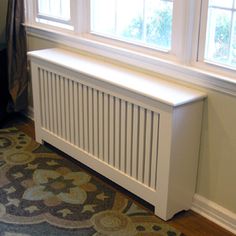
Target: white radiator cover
<point>146,142</point>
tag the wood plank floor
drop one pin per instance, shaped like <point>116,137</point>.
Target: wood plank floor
<point>189,223</point>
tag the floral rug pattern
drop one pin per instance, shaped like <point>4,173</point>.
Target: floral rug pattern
<point>53,194</point>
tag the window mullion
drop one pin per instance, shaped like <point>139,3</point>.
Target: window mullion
<point>231,32</point>
<point>36,9</point>
<point>144,27</point>
<point>80,12</point>
<point>202,30</point>
<point>30,11</point>
<point>231,35</point>
<point>50,5</point>
<point>116,16</point>
<point>178,28</point>
<point>73,14</point>
<point>61,8</point>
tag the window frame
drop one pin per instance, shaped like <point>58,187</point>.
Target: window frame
<point>199,60</point>
<point>32,13</point>
<point>115,36</point>
<point>184,63</point>
<point>51,18</point>
<point>80,20</point>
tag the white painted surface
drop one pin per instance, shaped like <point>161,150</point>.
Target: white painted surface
<point>196,75</point>
<point>215,213</point>
<point>163,91</point>
<point>173,130</point>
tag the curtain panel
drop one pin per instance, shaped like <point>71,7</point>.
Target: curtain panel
<point>16,56</point>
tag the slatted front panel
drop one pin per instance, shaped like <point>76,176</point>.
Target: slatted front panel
<point>118,132</point>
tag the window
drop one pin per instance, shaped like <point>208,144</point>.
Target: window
<point>56,9</point>
<point>193,33</point>
<point>54,12</point>
<point>146,22</point>
<point>220,44</point>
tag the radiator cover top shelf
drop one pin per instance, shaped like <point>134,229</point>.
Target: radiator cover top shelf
<point>141,132</point>
<point>160,90</point>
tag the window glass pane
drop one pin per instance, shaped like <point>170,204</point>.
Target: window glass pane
<point>221,3</point>
<point>103,19</point>
<point>130,22</point>
<point>147,22</point>
<point>59,9</point>
<point>159,23</point>
<point>219,41</point>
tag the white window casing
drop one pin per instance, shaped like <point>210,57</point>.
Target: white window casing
<point>184,62</point>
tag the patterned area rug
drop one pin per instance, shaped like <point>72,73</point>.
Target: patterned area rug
<point>42,192</point>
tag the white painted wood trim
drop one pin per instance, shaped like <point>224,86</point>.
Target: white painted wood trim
<point>97,75</point>
<point>215,213</point>
<point>149,86</point>
<point>178,72</point>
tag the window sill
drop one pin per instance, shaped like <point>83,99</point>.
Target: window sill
<point>173,70</point>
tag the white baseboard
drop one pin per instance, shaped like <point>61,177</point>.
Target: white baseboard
<point>215,213</point>
<point>29,112</point>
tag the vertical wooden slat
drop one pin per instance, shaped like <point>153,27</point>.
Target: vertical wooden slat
<point>81,117</point>
<point>95,121</point>
<point>111,130</point>
<point>50,101</point>
<point>85,112</point>
<point>76,115</point>
<point>106,125</point>
<point>135,142</point>
<point>129,131</point>
<point>122,135</point>
<point>42,94</point>
<point>35,85</point>
<point>46,100</point>
<point>147,170</point>
<point>90,119</point>
<point>67,109</point>
<point>100,111</point>
<point>58,101</point>
<point>63,110</point>
<point>154,151</point>
<point>141,143</point>
<point>54,103</point>
<point>72,114</point>
<point>117,133</point>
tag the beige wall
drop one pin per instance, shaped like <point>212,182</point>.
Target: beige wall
<point>3,13</point>
<point>34,43</point>
<point>217,165</point>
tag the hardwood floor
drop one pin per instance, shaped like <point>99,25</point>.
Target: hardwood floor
<point>189,223</point>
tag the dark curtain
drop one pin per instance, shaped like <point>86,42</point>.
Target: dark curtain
<point>16,56</point>
<point>4,95</point>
